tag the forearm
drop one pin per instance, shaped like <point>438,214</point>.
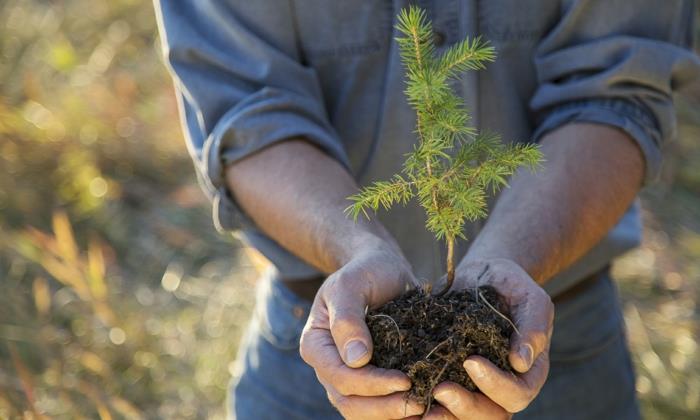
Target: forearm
<point>297,195</point>
<point>548,219</point>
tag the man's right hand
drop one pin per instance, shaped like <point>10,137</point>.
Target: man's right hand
<point>337,344</point>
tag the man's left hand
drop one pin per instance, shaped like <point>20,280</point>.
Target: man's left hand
<point>503,393</point>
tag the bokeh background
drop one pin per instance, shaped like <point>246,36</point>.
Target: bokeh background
<point>117,297</point>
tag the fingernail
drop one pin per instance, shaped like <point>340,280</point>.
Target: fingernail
<point>354,351</point>
<point>525,351</point>
<point>445,397</point>
<point>475,369</point>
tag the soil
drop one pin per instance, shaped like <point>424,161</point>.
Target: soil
<point>428,337</point>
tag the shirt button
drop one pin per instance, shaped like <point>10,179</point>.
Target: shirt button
<point>298,311</point>
<point>438,38</point>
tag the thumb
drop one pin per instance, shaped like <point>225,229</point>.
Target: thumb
<point>349,331</point>
<point>535,323</point>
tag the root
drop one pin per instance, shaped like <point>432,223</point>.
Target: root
<point>478,278</point>
<point>480,295</point>
<point>438,346</point>
<point>435,382</point>
<point>496,310</point>
<point>478,281</point>
<point>398,330</point>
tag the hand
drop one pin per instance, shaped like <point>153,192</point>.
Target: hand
<point>504,393</point>
<point>337,344</point>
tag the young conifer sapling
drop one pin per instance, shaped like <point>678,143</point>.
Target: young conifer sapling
<point>450,172</point>
<point>453,167</point>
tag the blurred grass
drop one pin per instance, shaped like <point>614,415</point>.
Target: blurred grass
<point>118,299</point>
<point>660,283</point>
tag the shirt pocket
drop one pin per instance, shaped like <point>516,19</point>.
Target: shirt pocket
<point>505,22</point>
<point>338,29</point>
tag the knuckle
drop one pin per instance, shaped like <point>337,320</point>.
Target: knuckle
<point>331,397</point>
<point>304,350</point>
<point>344,388</point>
<point>339,281</point>
<point>326,290</point>
<point>550,311</point>
<point>331,287</point>
<point>398,411</point>
<point>546,302</point>
<point>343,404</point>
<point>518,404</point>
<point>332,281</point>
<point>336,400</point>
<point>343,323</point>
<point>537,338</point>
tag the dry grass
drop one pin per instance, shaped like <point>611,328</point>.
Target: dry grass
<point>118,299</point>
<point>660,285</point>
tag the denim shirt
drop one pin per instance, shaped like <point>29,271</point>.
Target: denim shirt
<point>252,73</point>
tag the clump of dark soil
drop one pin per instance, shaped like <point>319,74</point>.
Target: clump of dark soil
<point>429,337</point>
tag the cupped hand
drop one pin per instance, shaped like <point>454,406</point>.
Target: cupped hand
<point>503,393</point>
<point>337,344</point>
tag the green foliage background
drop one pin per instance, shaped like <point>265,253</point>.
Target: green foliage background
<point>118,299</point>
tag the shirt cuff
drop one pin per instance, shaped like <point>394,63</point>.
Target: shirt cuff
<point>270,116</point>
<point>624,114</point>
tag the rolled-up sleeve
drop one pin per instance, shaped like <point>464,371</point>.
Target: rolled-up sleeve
<point>617,63</point>
<point>241,87</point>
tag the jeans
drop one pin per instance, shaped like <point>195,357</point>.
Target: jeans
<point>591,375</point>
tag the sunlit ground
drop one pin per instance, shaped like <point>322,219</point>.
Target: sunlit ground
<point>118,299</point>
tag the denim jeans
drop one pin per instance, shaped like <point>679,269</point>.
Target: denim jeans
<point>591,376</point>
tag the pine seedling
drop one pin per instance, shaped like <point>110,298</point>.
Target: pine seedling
<point>453,167</point>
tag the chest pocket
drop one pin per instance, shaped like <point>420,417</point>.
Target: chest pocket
<point>505,22</point>
<point>332,29</point>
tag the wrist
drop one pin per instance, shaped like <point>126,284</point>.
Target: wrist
<point>376,265</point>
<point>363,242</point>
<point>485,248</point>
<point>471,263</point>
<point>481,252</point>
<point>524,261</point>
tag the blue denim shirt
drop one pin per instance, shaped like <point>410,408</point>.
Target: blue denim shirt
<point>252,73</point>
